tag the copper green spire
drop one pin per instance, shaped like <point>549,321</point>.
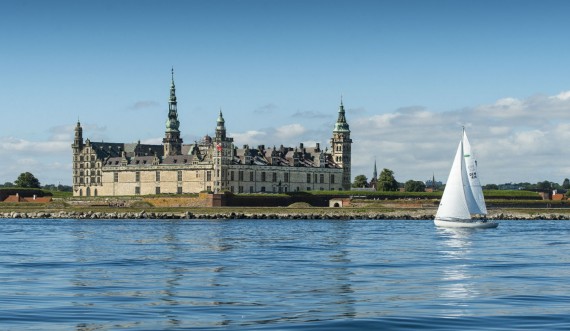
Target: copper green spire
<point>341,125</point>
<point>172,141</point>
<point>172,123</point>
<point>221,126</point>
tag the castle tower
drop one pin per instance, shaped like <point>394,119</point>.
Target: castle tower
<point>340,144</point>
<point>77,147</point>
<point>222,155</point>
<point>78,140</point>
<point>172,141</point>
<point>220,127</point>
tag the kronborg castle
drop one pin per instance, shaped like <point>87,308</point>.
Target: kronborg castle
<point>213,164</point>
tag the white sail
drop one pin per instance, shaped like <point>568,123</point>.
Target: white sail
<point>453,203</point>
<point>473,177</point>
<point>463,195</point>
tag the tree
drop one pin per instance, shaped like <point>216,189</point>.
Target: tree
<point>386,181</point>
<point>544,186</point>
<point>566,183</point>
<point>26,179</point>
<point>360,181</point>
<point>491,187</point>
<point>414,186</point>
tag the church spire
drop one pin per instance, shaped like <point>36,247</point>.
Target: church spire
<point>375,173</point>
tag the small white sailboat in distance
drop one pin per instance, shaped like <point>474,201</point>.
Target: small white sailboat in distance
<point>463,196</point>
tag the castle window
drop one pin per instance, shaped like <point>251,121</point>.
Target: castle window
<point>308,178</point>
<point>263,189</point>
<point>208,176</point>
<point>157,176</point>
<point>137,176</point>
<point>179,190</point>
<point>251,189</point>
<point>137,190</point>
<point>240,177</point>
<point>286,177</point>
<point>116,177</point>
<point>308,188</point>
<point>231,176</point>
<point>180,176</point>
<point>157,190</point>
<point>263,176</point>
<point>274,177</point>
<point>322,178</point>
<point>240,189</point>
<point>315,180</point>
<point>251,176</point>
<point>332,179</point>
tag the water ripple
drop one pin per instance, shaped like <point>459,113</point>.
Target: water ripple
<point>282,275</point>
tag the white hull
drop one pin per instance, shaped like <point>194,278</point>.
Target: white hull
<point>469,223</point>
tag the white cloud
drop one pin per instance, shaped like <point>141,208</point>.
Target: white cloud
<point>251,138</point>
<point>287,132</point>
<point>563,95</point>
<point>514,140</point>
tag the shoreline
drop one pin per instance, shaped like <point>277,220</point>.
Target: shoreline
<point>345,215</point>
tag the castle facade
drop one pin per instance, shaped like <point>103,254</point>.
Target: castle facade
<point>213,164</point>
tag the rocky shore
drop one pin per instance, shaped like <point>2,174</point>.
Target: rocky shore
<point>399,215</point>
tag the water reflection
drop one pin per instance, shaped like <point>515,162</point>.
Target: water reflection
<point>457,285</point>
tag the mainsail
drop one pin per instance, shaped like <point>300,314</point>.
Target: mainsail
<point>453,203</point>
<point>459,199</point>
<point>473,176</point>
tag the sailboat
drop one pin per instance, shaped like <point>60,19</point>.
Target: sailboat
<point>463,198</point>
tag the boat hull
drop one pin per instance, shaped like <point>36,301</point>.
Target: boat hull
<point>473,224</point>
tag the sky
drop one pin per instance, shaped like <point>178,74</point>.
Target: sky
<point>411,74</point>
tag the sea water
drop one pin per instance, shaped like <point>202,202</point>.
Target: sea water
<point>282,275</point>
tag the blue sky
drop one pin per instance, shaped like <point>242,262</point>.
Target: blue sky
<point>411,73</point>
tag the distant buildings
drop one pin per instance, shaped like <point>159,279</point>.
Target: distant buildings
<point>211,164</point>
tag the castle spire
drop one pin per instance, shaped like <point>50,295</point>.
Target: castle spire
<point>340,144</point>
<point>172,141</point>
<point>341,124</point>
<point>221,126</point>
<point>78,141</point>
<point>172,123</point>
